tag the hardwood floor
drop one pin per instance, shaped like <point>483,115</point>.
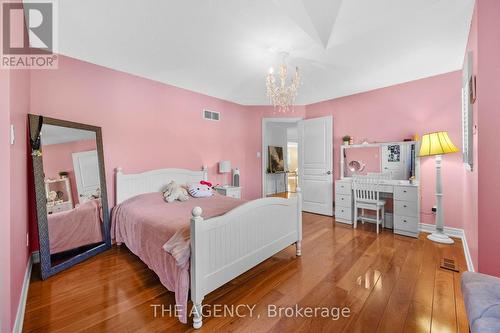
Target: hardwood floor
<point>286,195</point>
<point>390,283</point>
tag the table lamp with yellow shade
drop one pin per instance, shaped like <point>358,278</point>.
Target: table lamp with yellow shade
<point>437,144</point>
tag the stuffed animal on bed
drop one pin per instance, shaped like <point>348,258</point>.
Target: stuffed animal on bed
<point>174,191</point>
<point>201,190</point>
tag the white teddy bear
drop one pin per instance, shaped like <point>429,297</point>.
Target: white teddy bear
<point>174,191</point>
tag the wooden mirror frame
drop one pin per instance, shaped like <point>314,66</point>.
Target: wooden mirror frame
<point>47,270</point>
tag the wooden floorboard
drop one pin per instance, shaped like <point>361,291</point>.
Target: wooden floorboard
<point>390,283</point>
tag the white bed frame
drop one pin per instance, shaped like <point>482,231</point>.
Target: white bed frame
<point>226,246</point>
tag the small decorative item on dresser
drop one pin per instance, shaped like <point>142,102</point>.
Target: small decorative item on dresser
<point>346,139</point>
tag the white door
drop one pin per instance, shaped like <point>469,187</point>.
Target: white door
<point>86,166</point>
<point>316,165</point>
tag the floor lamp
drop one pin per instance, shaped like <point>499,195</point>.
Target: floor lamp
<point>437,144</point>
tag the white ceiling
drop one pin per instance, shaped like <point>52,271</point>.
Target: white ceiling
<point>52,135</point>
<point>224,48</point>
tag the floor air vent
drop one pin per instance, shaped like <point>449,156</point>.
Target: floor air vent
<point>449,264</point>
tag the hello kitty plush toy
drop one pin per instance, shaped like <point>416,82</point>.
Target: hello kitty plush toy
<point>174,191</point>
<point>201,190</point>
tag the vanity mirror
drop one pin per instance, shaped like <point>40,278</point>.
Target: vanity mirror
<point>397,160</point>
<point>70,192</point>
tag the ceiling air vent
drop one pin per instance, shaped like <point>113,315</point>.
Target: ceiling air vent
<point>211,115</point>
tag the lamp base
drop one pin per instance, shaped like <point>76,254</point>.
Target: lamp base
<point>440,237</point>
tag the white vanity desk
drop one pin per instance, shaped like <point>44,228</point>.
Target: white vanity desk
<point>406,196</point>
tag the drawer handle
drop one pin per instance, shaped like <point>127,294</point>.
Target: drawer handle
<point>404,191</point>
<point>405,221</point>
<point>405,206</point>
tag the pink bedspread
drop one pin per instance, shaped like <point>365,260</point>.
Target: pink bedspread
<point>76,227</point>
<point>146,222</point>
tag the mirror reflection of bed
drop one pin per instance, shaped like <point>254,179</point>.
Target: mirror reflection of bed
<point>72,187</point>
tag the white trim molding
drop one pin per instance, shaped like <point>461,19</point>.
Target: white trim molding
<point>18,324</point>
<point>452,232</point>
<point>264,144</point>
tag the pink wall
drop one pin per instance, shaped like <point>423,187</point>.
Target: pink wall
<point>14,226</point>
<point>5,259</point>
<point>58,157</point>
<point>488,44</point>
<point>19,107</point>
<point>470,179</point>
<point>398,112</point>
<point>14,105</point>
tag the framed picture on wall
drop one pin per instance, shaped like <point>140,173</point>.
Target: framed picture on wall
<point>468,99</point>
<point>275,159</point>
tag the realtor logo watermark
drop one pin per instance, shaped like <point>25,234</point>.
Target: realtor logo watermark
<point>247,310</point>
<point>29,35</point>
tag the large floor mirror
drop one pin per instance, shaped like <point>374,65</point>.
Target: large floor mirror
<point>70,192</point>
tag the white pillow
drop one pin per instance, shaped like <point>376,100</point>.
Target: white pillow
<point>200,191</point>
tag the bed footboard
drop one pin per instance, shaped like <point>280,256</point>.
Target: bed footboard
<point>226,246</point>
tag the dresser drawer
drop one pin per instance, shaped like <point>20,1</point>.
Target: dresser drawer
<point>406,208</point>
<point>232,192</point>
<point>343,187</point>
<point>406,223</point>
<point>343,200</point>
<point>406,193</point>
<point>343,213</point>
<point>386,188</point>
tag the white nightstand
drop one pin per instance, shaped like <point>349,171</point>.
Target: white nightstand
<point>229,191</point>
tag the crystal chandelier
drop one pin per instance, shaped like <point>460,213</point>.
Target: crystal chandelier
<point>280,95</point>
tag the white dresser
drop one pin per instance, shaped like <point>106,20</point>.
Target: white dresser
<point>406,204</point>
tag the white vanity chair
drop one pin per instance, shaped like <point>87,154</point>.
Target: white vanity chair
<point>366,191</point>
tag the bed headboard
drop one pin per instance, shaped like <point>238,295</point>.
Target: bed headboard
<point>129,185</point>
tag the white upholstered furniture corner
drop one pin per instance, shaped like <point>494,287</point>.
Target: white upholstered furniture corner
<point>225,246</point>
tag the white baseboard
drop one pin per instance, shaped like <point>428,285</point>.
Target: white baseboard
<point>18,324</point>
<point>452,232</point>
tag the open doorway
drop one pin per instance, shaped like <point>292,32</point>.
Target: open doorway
<point>292,159</point>
<point>279,156</point>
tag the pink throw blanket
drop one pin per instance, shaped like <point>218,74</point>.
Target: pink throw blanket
<point>146,222</point>
<point>76,227</point>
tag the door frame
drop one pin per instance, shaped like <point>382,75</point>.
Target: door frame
<point>263,157</point>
